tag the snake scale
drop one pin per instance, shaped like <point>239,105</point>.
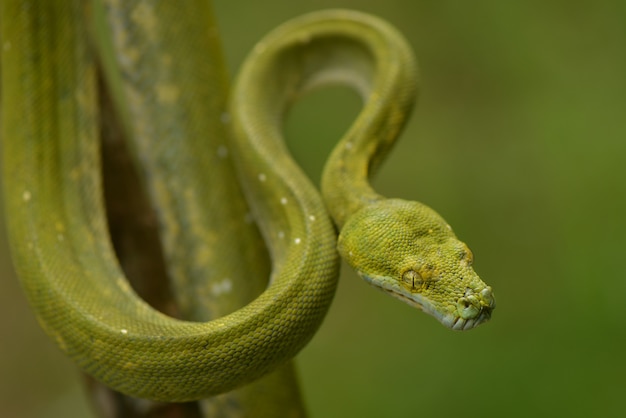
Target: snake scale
<point>57,225</point>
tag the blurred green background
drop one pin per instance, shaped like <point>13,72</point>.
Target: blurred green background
<point>519,141</point>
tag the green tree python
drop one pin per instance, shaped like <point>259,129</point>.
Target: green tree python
<point>57,225</point>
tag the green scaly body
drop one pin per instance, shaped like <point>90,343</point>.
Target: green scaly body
<point>57,224</point>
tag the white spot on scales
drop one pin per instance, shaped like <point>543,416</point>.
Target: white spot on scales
<point>222,287</point>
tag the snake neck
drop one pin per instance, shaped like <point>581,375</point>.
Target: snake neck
<point>346,187</point>
<point>385,75</point>
<point>362,52</point>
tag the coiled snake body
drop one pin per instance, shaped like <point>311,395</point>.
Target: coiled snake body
<point>58,232</point>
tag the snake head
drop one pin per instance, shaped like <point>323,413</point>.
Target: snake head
<point>407,250</point>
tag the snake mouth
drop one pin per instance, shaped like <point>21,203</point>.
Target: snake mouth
<point>415,300</point>
<point>450,320</point>
<point>461,324</point>
<point>409,301</point>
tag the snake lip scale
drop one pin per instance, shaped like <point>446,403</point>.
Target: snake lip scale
<point>451,320</point>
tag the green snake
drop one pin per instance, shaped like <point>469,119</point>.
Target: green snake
<point>57,225</point>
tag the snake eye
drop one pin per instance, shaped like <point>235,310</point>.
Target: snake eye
<point>412,278</point>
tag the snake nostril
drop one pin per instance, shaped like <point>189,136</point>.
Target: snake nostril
<point>467,308</point>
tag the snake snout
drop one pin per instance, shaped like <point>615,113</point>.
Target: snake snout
<point>474,308</point>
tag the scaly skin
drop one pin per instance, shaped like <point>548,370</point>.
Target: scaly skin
<point>216,263</point>
<point>57,225</point>
<point>401,247</point>
<point>425,265</point>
